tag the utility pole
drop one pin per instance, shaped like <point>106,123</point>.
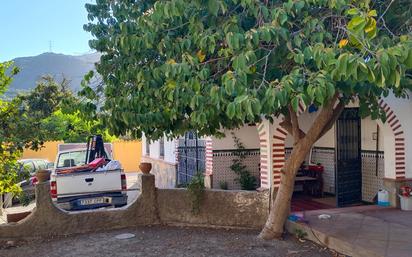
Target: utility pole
<point>50,46</point>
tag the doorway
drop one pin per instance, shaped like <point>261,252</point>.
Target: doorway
<point>348,179</point>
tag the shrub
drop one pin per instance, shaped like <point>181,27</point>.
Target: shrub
<point>196,187</point>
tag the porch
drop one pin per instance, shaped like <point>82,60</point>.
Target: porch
<point>360,156</point>
<point>358,231</point>
<point>268,146</point>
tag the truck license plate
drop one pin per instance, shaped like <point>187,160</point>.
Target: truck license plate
<point>91,201</point>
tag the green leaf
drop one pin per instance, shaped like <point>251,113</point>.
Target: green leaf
<point>397,79</point>
<point>352,11</point>
<point>239,63</point>
<point>256,106</point>
<point>295,104</point>
<point>342,64</point>
<point>356,21</point>
<point>299,58</point>
<point>213,6</point>
<point>371,76</point>
<point>319,95</point>
<point>230,86</point>
<point>283,18</point>
<point>282,96</point>
<point>230,111</point>
<point>196,86</point>
<point>372,13</point>
<point>249,109</point>
<point>408,61</point>
<point>330,89</point>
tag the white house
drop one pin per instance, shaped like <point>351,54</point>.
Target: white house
<point>359,156</point>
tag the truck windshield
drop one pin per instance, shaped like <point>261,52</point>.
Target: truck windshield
<point>71,159</point>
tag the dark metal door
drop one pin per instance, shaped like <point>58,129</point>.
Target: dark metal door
<point>191,157</point>
<point>348,158</point>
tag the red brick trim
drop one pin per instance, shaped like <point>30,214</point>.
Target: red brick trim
<point>279,138</point>
<point>399,146</point>
<point>177,150</point>
<point>264,170</point>
<point>209,156</point>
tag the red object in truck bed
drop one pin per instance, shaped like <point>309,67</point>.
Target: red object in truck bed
<point>84,168</point>
<point>68,170</point>
<point>97,163</point>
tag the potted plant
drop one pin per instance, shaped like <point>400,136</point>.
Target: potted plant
<point>145,167</point>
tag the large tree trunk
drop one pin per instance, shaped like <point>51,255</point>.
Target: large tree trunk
<point>302,144</point>
<point>281,207</point>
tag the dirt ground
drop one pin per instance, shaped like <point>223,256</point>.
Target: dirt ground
<point>165,241</point>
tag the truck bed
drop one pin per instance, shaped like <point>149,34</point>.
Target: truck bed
<point>84,183</point>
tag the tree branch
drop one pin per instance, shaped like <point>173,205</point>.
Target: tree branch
<point>295,124</point>
<point>386,10</point>
<point>287,125</point>
<point>323,118</point>
<point>335,115</point>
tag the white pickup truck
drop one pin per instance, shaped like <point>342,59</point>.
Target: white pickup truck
<point>85,190</point>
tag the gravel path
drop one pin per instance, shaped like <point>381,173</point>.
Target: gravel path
<point>166,241</point>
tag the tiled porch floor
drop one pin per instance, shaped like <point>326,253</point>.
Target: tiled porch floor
<point>360,231</point>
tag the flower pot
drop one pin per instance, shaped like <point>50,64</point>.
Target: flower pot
<point>145,167</point>
<point>43,175</point>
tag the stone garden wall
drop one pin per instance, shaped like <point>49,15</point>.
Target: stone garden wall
<point>219,208</point>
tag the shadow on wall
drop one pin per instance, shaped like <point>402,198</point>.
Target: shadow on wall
<point>219,208</point>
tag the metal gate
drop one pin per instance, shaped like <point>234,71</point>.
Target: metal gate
<point>348,158</point>
<point>191,157</point>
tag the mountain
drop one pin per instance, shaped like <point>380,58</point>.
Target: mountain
<point>33,68</point>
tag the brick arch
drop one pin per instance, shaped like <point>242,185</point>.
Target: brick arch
<point>393,121</point>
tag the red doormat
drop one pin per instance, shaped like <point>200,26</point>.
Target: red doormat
<point>307,204</point>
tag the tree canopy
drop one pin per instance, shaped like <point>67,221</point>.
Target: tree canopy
<point>178,65</point>
<point>49,112</point>
<point>8,151</point>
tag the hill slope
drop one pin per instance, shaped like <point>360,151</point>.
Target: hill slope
<point>33,68</point>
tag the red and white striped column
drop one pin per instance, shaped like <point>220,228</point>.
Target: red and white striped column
<point>209,156</point>
<point>278,154</point>
<point>265,150</point>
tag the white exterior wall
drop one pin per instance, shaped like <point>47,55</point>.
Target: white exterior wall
<point>169,150</point>
<point>305,121</point>
<point>248,135</point>
<point>368,128</point>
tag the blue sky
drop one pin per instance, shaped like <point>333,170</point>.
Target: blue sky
<point>27,27</point>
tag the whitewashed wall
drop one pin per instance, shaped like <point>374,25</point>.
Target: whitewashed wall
<point>248,135</point>
<point>368,127</point>
<point>305,121</point>
<point>169,150</point>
